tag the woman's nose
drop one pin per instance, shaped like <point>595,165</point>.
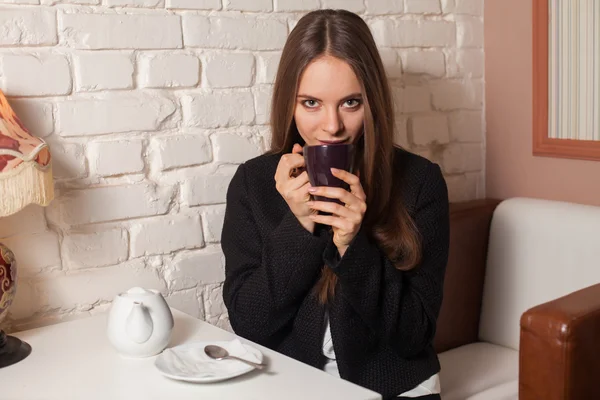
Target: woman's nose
<point>332,122</point>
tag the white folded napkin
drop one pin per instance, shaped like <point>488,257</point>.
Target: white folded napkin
<point>190,360</point>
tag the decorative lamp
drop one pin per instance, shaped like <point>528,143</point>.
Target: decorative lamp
<point>25,178</point>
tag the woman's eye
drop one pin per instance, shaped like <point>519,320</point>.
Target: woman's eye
<point>310,103</point>
<point>352,103</point>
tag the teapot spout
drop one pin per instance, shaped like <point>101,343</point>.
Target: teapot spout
<point>139,325</point>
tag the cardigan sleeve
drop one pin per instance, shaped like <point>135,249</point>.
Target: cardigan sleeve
<point>398,307</point>
<point>266,278</point>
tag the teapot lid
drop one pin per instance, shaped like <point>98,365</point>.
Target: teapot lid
<point>137,292</point>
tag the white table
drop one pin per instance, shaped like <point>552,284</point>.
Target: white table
<point>74,360</point>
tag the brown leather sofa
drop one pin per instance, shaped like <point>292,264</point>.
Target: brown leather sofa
<point>559,346</point>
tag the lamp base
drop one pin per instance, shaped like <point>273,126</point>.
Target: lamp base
<point>12,350</point>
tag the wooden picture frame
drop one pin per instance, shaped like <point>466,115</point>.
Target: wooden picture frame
<point>542,144</point>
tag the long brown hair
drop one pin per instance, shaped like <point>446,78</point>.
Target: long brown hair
<point>344,35</point>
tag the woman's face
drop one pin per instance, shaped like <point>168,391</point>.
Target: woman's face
<point>329,106</point>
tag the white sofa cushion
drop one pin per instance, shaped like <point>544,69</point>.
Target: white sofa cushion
<point>539,250</point>
<point>479,368</point>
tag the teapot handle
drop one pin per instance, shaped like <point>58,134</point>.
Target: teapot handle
<point>139,325</point>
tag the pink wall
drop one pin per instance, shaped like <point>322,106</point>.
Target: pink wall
<point>511,170</point>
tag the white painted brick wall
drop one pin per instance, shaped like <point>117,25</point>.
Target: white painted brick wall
<point>102,156</point>
<point>35,75</point>
<point>102,70</point>
<point>28,26</point>
<point>149,105</point>
<point>169,70</point>
<point>89,250</point>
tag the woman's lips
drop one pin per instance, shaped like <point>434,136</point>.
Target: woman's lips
<point>332,141</point>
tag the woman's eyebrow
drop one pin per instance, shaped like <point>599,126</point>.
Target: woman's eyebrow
<point>350,96</point>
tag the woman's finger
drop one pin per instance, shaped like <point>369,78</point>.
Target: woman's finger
<point>352,180</point>
<point>333,208</point>
<point>336,222</point>
<point>299,181</point>
<point>287,163</point>
<point>335,193</point>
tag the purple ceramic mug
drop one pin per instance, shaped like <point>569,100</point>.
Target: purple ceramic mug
<point>321,158</point>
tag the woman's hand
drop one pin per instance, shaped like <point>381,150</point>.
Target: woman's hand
<point>294,189</point>
<point>345,220</point>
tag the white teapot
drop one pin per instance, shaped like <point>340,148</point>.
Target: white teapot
<point>139,323</point>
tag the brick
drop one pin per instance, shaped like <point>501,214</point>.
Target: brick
<point>195,4</point>
<point>448,6</point>
<point>28,26</point>
<point>29,75</point>
<point>467,63</point>
<point>230,70</point>
<point>451,95</point>
<point>30,219</point>
<point>423,6</point>
<point>262,103</point>
<point>187,301</point>
<point>111,203</point>
<point>85,2</point>
<point>460,188</point>
<point>68,160</point>
<point>234,33</point>
<point>265,133</point>
<point>25,303</point>
<point>218,109</point>
<point>112,114</point>
<point>20,1</point>
<point>45,257</point>
<point>401,132</point>
<point>115,157</point>
<point>424,62</point>
<point>202,190</point>
<point>245,5</point>
<point>102,71</point>
<point>469,32</point>
<point>268,63</point>
<point>233,148</point>
<point>191,269</point>
<point>212,218</point>
<point>95,249</point>
<point>120,31</point>
<point>165,235</point>
<point>134,3</point>
<point>471,7</point>
<point>214,308</point>
<point>404,33</point>
<point>470,63</point>
<point>87,287</point>
<point>459,158</point>
<point>412,99</point>
<point>383,7</point>
<point>168,70</point>
<point>35,115</point>
<point>356,6</point>
<point>477,179</point>
<point>430,129</point>
<point>466,126</point>
<point>181,151</point>
<point>391,62</point>
<point>296,5</point>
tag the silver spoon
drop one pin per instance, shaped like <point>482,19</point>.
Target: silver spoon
<point>219,353</point>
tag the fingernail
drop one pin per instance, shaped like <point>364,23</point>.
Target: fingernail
<point>334,170</point>
<point>312,189</point>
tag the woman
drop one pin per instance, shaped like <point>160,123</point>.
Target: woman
<point>354,290</point>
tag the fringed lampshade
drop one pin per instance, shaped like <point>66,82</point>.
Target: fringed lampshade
<point>25,178</point>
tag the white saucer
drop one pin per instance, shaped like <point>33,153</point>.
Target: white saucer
<point>188,362</point>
